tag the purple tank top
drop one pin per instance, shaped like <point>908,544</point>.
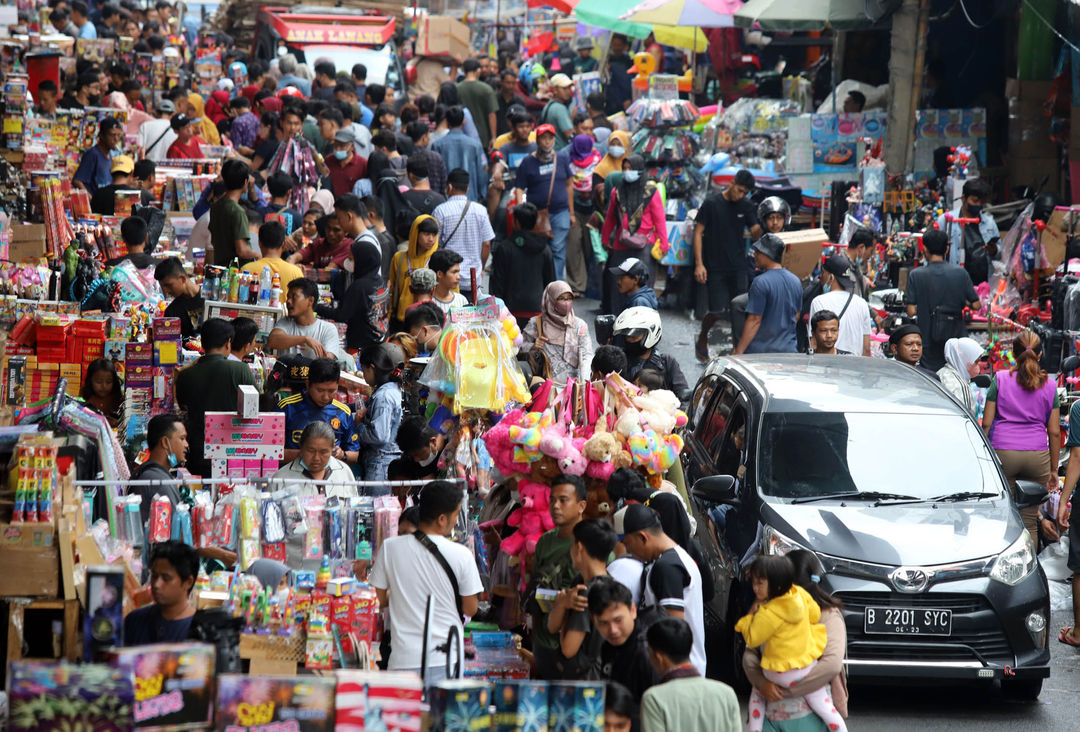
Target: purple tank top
<point>1020,421</point>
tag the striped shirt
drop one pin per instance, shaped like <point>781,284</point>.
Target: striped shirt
<point>468,239</point>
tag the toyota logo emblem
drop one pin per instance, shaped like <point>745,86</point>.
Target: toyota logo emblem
<point>908,579</point>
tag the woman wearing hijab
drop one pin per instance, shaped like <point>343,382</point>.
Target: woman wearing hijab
<point>363,306</point>
<point>324,198</point>
<point>423,242</point>
<point>961,366</point>
<point>215,105</point>
<point>271,573</point>
<point>618,147</point>
<point>634,220</point>
<point>583,161</point>
<point>562,336</point>
<point>207,128</point>
<point>676,524</point>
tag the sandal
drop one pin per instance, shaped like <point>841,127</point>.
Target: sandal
<point>1065,636</point>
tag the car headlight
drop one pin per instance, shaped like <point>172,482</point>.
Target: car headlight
<point>1016,562</point>
<point>775,543</point>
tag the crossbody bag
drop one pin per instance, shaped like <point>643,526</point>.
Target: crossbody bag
<point>430,546</point>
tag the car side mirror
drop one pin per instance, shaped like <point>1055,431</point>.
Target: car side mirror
<point>1028,493</point>
<point>715,489</point>
<point>983,381</point>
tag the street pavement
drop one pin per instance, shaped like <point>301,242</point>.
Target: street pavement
<point>905,708</point>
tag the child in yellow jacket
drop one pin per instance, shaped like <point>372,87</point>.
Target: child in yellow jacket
<point>786,622</point>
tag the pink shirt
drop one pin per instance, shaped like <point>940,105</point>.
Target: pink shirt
<point>653,222</point>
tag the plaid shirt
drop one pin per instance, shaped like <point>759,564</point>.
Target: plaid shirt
<point>468,239</point>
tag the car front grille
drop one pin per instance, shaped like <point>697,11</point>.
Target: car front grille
<point>976,632</point>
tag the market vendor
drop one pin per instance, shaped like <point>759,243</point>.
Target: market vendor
<point>317,403</point>
<point>95,168</point>
<point>315,462</point>
<point>973,246</point>
<point>173,565</point>
<point>302,332</point>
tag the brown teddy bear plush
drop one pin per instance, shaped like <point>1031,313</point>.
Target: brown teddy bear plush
<point>599,503</point>
<point>545,469</point>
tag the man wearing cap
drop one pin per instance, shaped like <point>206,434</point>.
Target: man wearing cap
<point>186,145</point>
<point>672,578</point>
<point>631,278</point>
<point>479,98</point>
<point>584,61</point>
<point>557,111</point>
<point>772,308</point>
<point>156,135</point>
<point>95,168</point>
<point>936,296</point>
<point>840,296</point>
<point>104,199</point>
<point>907,347</point>
<point>346,167</point>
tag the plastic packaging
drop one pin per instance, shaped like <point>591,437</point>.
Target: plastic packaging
<point>181,525</point>
<point>160,527</point>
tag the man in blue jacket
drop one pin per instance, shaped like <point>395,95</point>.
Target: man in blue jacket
<point>631,277</point>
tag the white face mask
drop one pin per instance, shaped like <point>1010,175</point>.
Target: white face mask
<point>616,151</point>
<point>428,460</point>
<point>631,176</point>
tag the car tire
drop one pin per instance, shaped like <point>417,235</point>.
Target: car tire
<point>1021,689</point>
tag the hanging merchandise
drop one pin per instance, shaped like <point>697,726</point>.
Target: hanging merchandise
<point>300,160</point>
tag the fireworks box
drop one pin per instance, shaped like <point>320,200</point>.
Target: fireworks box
<point>378,700</point>
<point>520,706</point>
<point>297,703</point>
<point>575,706</point>
<point>174,684</point>
<point>460,706</point>
<point>47,696</point>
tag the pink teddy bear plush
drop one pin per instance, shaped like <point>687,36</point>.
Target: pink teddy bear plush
<point>566,450</point>
<point>532,519</point>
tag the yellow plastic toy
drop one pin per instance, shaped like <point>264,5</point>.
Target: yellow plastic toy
<point>645,65</point>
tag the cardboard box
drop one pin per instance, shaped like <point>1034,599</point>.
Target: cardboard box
<point>306,703</point>
<point>33,549</point>
<point>247,401</point>
<point>27,240</point>
<point>802,250</point>
<point>174,684</point>
<point>443,37</point>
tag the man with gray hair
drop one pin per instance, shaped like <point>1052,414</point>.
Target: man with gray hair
<point>287,65</point>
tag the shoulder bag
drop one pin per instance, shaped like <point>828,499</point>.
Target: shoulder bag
<point>457,226</point>
<point>430,546</point>
<point>636,241</point>
<point>543,217</point>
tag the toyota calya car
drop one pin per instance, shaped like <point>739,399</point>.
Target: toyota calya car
<point>891,483</point>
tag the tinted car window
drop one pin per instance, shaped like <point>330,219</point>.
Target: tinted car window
<point>822,453</point>
<point>730,451</point>
<point>711,407</point>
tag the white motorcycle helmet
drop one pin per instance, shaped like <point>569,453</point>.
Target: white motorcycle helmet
<point>771,205</point>
<point>643,321</point>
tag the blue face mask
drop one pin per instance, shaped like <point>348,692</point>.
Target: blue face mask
<point>173,462</point>
<point>826,288</point>
<point>341,154</point>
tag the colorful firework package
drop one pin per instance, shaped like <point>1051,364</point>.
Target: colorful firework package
<point>370,700</point>
<point>297,703</point>
<point>50,697</point>
<point>520,705</point>
<point>459,706</point>
<point>575,706</point>
<point>174,684</point>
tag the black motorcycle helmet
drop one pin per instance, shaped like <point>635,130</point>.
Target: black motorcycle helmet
<point>1043,207</point>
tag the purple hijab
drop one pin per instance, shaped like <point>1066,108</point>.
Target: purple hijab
<point>581,148</point>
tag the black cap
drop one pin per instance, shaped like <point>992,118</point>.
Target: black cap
<point>840,267</point>
<point>635,517</point>
<point>771,246</point>
<point>632,267</point>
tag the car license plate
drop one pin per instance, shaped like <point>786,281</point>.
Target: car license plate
<point>908,621</point>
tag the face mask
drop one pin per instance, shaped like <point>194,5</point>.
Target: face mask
<point>341,154</point>
<point>616,151</point>
<point>428,460</point>
<point>975,210</point>
<point>563,308</point>
<point>631,176</point>
<point>634,349</point>
<point>94,99</point>
<point>173,462</point>
<point>826,288</point>
<point>859,260</point>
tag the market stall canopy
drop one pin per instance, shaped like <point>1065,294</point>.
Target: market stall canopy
<point>804,15</point>
<point>608,14</point>
<point>700,13</point>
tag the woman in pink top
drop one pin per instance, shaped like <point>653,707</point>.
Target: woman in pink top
<point>1023,422</point>
<point>634,220</point>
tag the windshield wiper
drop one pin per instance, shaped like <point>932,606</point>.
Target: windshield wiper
<point>962,496</point>
<point>861,495</point>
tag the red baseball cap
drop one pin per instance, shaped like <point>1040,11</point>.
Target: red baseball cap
<point>545,128</point>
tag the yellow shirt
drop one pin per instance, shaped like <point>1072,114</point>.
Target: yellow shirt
<point>789,629</point>
<point>286,272</point>
<point>508,137</point>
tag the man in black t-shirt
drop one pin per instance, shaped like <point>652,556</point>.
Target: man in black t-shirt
<point>624,655</point>
<point>187,301</point>
<point>720,248</point>
<point>173,566</point>
<point>133,232</point>
<point>936,296</point>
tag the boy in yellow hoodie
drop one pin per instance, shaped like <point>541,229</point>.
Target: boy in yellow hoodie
<point>786,622</point>
<point>423,242</point>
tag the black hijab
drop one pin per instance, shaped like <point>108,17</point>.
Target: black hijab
<point>632,195</point>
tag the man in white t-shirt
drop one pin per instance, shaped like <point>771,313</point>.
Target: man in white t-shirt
<point>407,573</point>
<point>841,297</point>
<point>673,580</point>
<point>302,332</point>
<point>446,264</point>
<point>157,135</point>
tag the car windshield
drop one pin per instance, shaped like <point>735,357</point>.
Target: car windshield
<point>808,454</point>
<point>377,60</point>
